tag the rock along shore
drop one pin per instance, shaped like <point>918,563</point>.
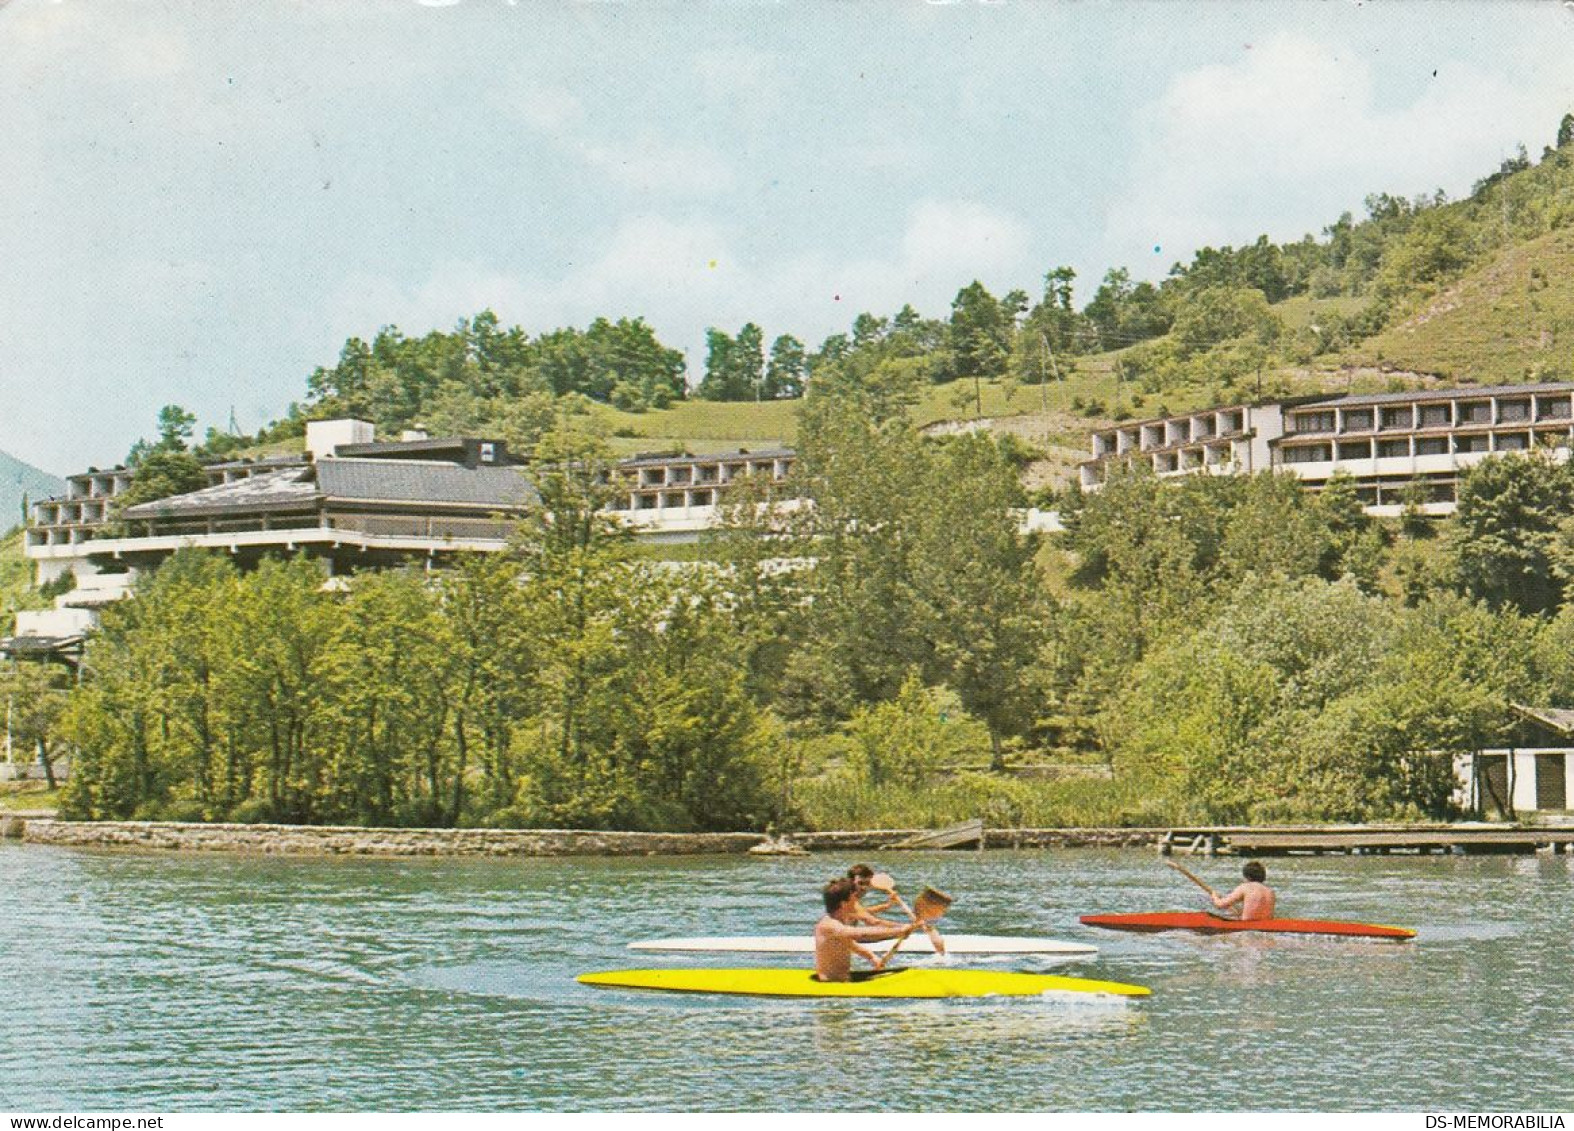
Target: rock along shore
<point>339,840</point>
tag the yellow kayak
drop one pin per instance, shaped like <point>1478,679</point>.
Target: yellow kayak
<point>926,982</point>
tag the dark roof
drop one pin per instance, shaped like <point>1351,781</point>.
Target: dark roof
<point>289,489</point>
<point>1555,718</point>
<point>419,481</point>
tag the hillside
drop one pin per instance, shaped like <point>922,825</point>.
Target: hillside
<point>1510,319</point>
<point>16,577</point>
<point>19,480</point>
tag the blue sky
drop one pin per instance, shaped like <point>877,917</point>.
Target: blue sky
<point>202,202</point>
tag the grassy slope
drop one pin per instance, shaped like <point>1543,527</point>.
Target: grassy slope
<point>1507,321</point>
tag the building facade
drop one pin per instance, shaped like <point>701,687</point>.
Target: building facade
<point>1397,446</point>
<point>354,502</point>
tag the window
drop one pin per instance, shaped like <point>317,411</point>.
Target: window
<point>1552,408</point>
<point>1305,453</point>
<point>1431,445</point>
<point>1513,411</point>
<point>1358,420</point>
<point>1436,416</point>
<point>1476,412</point>
<point>1355,449</point>
<point>1512,441</point>
<point>1312,422</point>
<point>1393,449</point>
<point>1467,444</point>
<point>1403,417</point>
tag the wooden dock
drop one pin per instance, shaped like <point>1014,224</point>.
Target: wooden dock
<point>1359,840</point>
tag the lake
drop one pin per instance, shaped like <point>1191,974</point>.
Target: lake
<point>200,982</point>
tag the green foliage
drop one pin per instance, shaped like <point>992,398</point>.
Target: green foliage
<point>162,473</point>
<point>1310,701</point>
<point>1506,534</point>
<point>564,685</point>
<point>469,377</point>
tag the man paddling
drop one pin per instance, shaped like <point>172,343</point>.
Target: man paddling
<point>836,939</point>
<point>1255,896</point>
<point>862,877</point>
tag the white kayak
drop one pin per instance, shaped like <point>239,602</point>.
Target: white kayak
<point>916,943</point>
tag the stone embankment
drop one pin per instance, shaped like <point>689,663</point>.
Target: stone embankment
<point>328,840</point>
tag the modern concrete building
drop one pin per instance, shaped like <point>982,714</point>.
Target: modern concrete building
<point>1391,443</point>
<point>354,502</point>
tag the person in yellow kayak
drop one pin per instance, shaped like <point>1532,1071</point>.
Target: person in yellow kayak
<point>837,939</point>
<point>1255,897</point>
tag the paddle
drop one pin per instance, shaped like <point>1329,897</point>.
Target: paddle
<point>931,904</point>
<point>1192,878</point>
<point>882,882</point>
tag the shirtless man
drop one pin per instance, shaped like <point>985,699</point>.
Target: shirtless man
<point>861,875</point>
<point>836,940</point>
<point>1255,896</point>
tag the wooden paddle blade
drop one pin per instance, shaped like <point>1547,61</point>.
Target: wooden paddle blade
<point>882,881</point>
<point>932,904</point>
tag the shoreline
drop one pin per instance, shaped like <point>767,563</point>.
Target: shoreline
<point>346,840</point>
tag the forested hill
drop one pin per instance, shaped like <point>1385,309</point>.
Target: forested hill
<point>1417,288</point>
<point>19,481</point>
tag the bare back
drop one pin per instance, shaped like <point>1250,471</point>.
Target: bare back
<point>1256,901</point>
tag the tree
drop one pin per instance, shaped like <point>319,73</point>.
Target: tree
<point>980,600</point>
<point>788,369</point>
<point>980,335</point>
<point>174,428</point>
<point>1504,534</point>
<point>160,474</point>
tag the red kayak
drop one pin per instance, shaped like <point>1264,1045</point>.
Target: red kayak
<point>1217,924</point>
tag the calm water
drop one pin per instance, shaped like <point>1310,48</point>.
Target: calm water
<point>199,982</point>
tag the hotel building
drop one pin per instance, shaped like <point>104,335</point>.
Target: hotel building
<point>1389,442</point>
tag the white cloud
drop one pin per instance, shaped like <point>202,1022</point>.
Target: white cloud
<point>1290,133</point>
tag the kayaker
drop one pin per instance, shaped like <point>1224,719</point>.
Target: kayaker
<point>1255,896</point>
<point>837,939</point>
<point>862,877</point>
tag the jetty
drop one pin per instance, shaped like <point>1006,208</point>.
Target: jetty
<point>1473,839</point>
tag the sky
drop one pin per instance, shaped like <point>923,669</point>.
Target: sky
<point>200,202</point>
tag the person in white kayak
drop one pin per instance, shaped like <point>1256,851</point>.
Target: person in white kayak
<point>862,877</point>
<point>837,939</point>
<point>1255,897</point>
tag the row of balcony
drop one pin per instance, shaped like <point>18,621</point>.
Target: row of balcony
<point>1407,447</point>
<point>1155,434</point>
<point>1422,415</point>
<point>715,474</point>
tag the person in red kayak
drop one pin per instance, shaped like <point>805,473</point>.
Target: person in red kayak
<point>1255,897</point>
<point>836,940</point>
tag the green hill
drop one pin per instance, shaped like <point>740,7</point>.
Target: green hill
<point>1509,320</point>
